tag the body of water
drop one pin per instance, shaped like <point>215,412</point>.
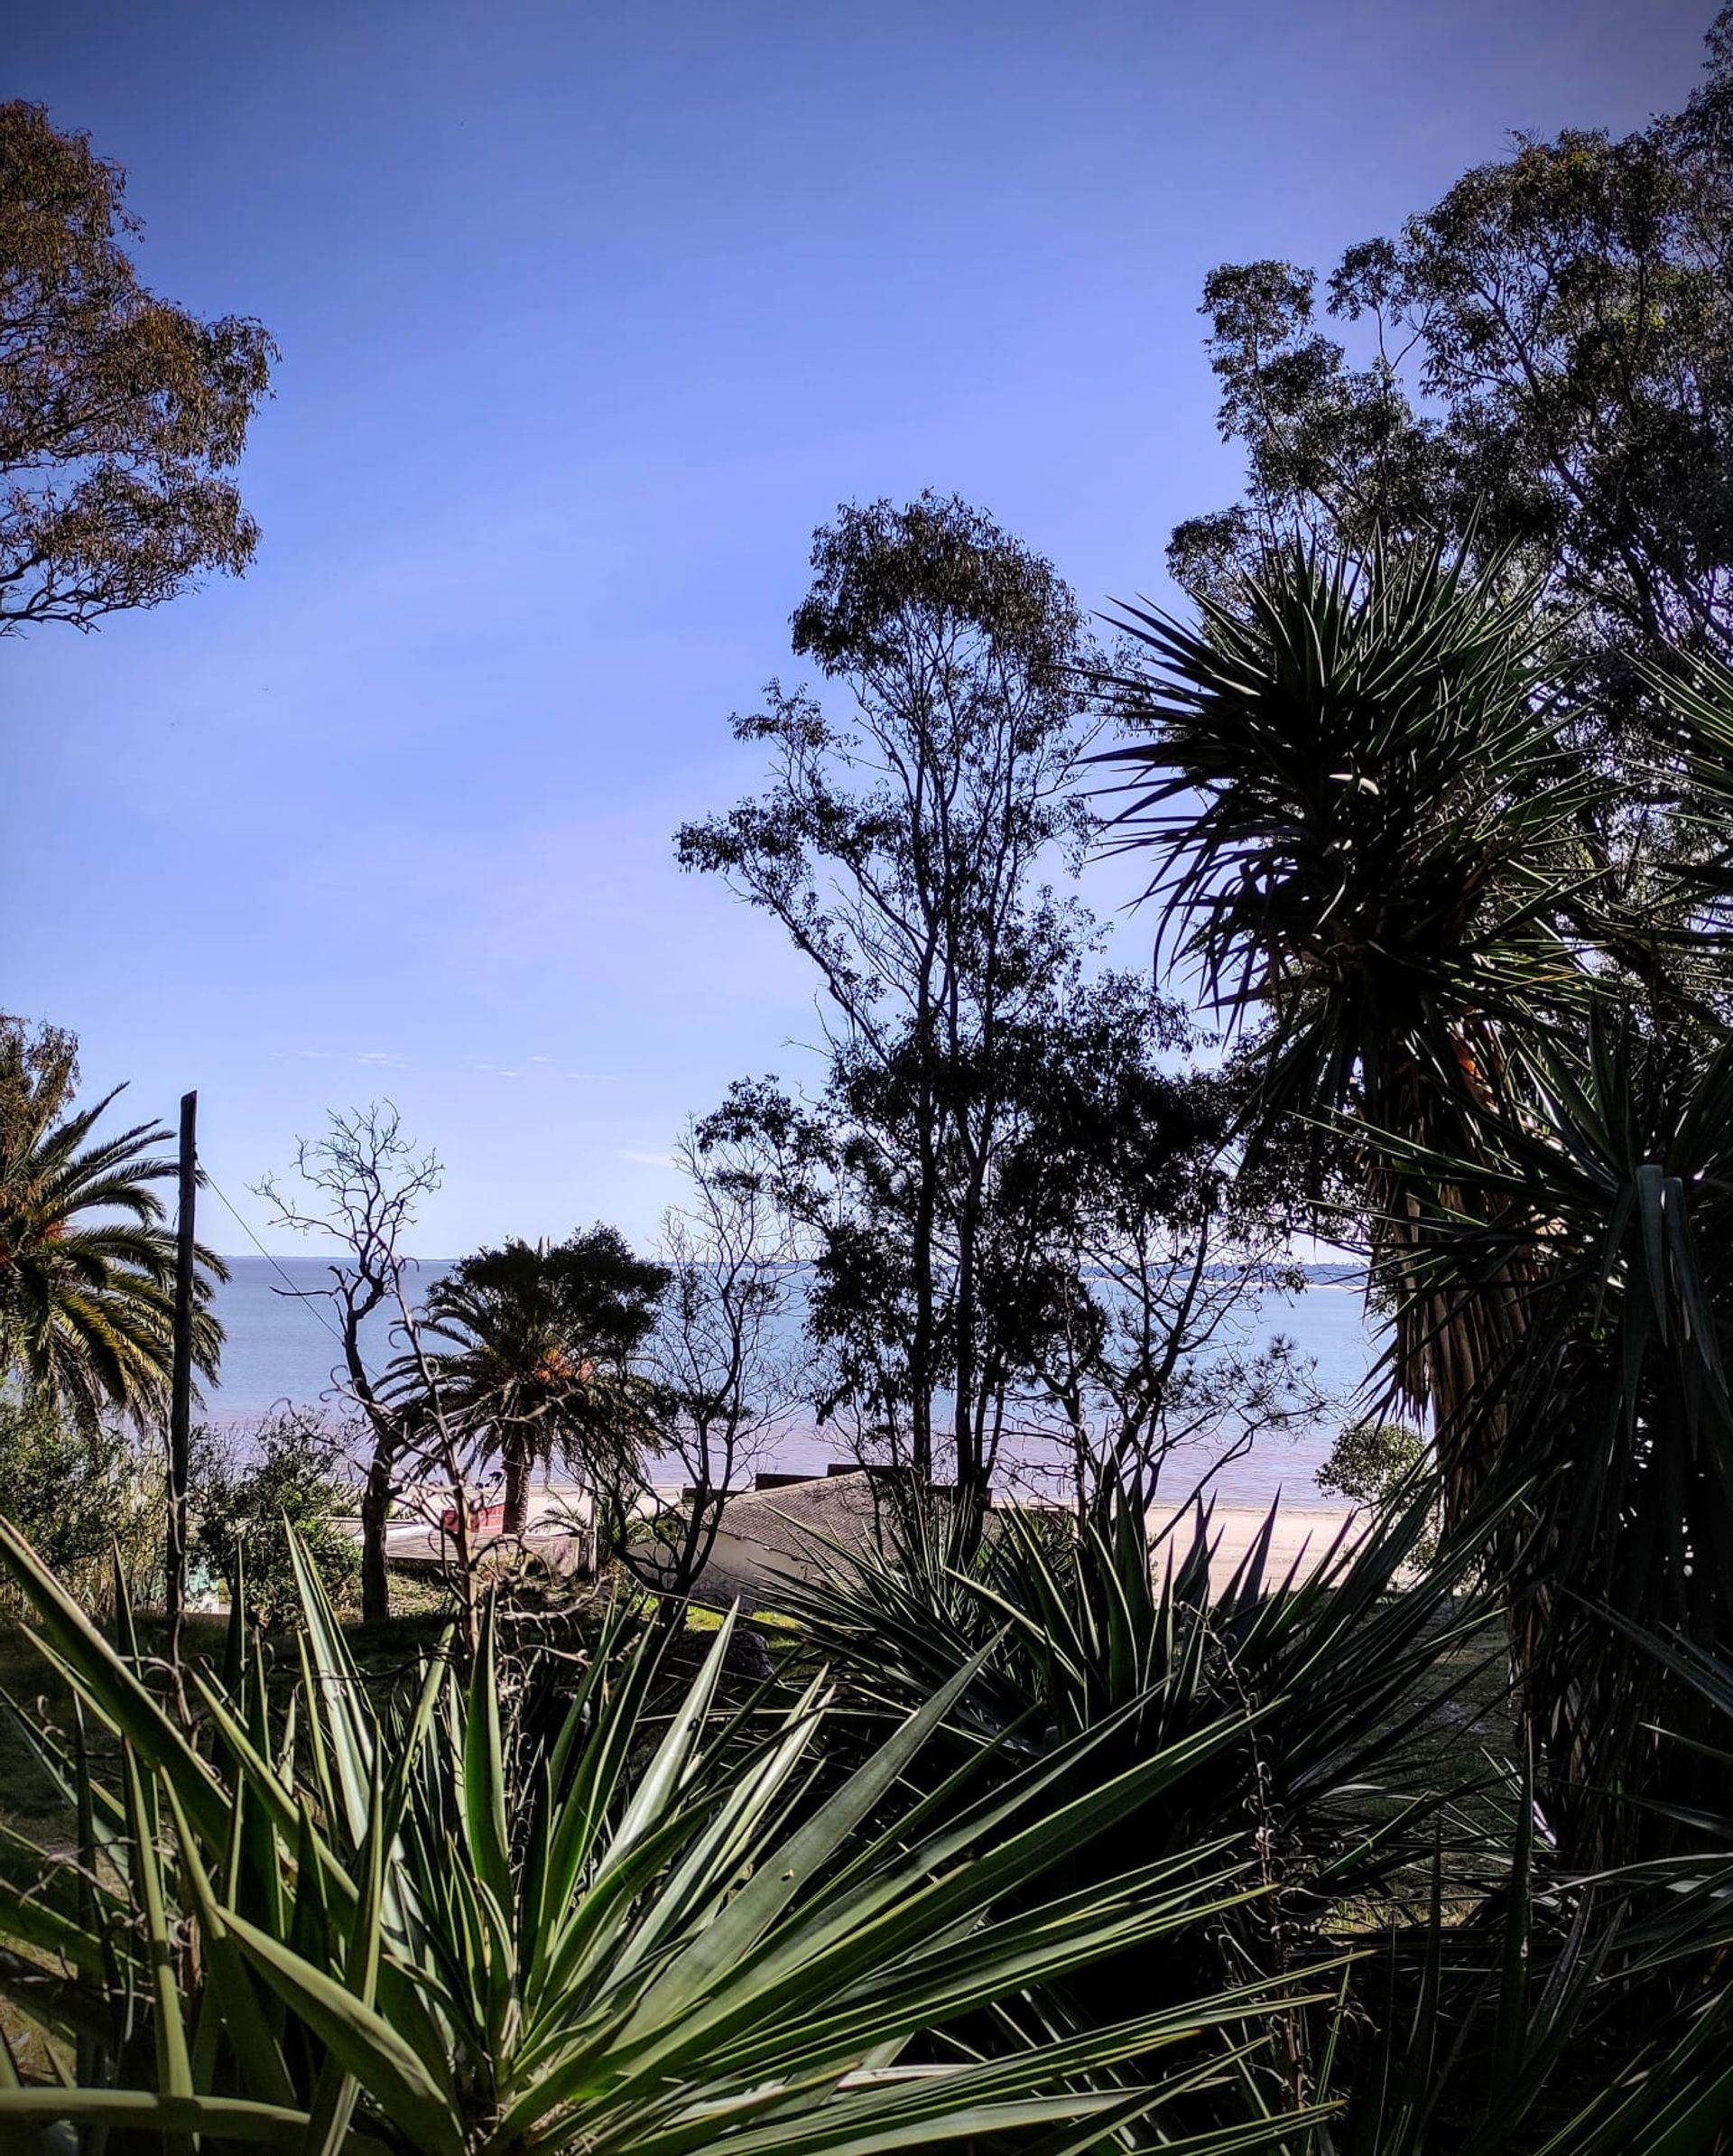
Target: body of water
<point>282,1346</point>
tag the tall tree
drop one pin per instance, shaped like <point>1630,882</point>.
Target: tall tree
<point>900,850</point>
<point>1369,822</point>
<point>1366,833</point>
<point>1543,361</point>
<point>120,412</point>
<point>86,1267</point>
<point>532,1347</point>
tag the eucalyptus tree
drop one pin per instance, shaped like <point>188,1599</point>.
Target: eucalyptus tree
<point>122,414</point>
<point>87,1264</point>
<point>900,847</point>
<point>1538,361</point>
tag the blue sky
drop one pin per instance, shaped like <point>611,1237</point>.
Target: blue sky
<point>588,314</point>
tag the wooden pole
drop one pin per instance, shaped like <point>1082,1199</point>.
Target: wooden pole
<point>181,1394</point>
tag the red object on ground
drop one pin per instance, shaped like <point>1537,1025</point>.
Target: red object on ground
<point>483,1518</point>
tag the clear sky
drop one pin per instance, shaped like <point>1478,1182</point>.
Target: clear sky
<point>589,313</point>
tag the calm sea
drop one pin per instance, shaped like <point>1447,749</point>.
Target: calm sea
<point>280,1347</point>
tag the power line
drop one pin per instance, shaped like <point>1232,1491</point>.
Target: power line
<point>299,1294</point>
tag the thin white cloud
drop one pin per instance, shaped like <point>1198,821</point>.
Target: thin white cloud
<point>665,1160</point>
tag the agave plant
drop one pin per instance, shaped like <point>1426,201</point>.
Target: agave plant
<point>375,1928</point>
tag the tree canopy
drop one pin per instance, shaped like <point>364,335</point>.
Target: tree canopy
<point>87,1264</point>
<point>1543,361</point>
<point>900,849</point>
<point>121,413</point>
<point>537,1341</point>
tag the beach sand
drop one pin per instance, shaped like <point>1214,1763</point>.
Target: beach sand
<point>1302,1539</point>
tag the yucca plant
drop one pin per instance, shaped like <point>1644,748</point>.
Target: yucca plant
<point>1548,2020</point>
<point>1371,834</point>
<point>1071,1631</point>
<point>344,1927</point>
<point>1615,1188</point>
<point>1570,2013</point>
<point>1496,2003</point>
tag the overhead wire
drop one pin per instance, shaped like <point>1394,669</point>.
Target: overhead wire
<point>301,1295</point>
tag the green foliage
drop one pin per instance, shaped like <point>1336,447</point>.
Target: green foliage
<point>1376,841</point>
<point>1373,1462</point>
<point>119,412</point>
<point>1494,2001</point>
<point>1366,821</point>
<point>81,1494</point>
<point>1071,1629</point>
<point>900,846</point>
<point>253,1490</point>
<point>87,1268</point>
<point>1613,1412</point>
<point>408,1927</point>
<point>539,1342</point>
<point>946,571</point>
<point>1539,361</point>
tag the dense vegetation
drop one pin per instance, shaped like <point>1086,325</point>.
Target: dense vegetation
<point>1038,1830</point>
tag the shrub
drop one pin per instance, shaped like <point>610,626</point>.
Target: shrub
<point>249,1487</point>
<point>80,1495</point>
<point>1370,1462</point>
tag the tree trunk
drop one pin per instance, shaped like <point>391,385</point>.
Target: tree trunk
<point>973,1492</point>
<point>375,1498</point>
<point>971,1469</point>
<point>920,1347</point>
<point>375,1509</point>
<point>518,1461</point>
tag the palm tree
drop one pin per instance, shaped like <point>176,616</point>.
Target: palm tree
<point>540,1340</point>
<point>87,1268</point>
<point>1384,849</point>
<point>1613,1190</point>
<point>1372,830</point>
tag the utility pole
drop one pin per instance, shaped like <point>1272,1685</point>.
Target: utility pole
<point>181,1394</point>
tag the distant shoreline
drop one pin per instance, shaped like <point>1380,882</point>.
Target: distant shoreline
<point>280,1352</point>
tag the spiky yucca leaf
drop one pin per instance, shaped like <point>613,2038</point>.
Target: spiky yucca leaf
<point>1366,812</point>
<point>1606,1205</point>
<point>439,1940</point>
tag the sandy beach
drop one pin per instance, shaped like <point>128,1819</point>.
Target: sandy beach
<point>1302,1538</point>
